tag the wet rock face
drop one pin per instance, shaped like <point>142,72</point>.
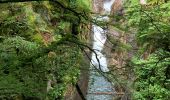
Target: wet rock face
<point>98,6</point>
<point>117,6</point>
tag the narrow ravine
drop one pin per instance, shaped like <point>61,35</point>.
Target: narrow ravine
<point>99,88</point>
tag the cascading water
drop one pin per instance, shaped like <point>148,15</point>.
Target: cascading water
<point>99,87</point>
<point>98,44</point>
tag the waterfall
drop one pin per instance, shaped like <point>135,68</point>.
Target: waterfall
<point>98,44</point>
<point>107,5</point>
<point>100,88</point>
<point>100,39</point>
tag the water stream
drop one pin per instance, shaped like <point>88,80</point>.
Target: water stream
<point>99,88</point>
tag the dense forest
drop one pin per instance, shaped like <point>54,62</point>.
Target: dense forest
<point>46,45</point>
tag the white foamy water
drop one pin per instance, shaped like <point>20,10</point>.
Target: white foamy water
<point>99,38</point>
<point>98,44</point>
<point>108,5</point>
<point>102,60</point>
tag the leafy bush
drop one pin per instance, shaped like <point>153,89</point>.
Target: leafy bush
<point>150,24</point>
<point>152,77</point>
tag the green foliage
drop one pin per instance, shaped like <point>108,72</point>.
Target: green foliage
<point>11,26</point>
<point>150,24</point>
<point>156,1</point>
<point>26,65</point>
<point>66,70</point>
<point>83,5</point>
<point>78,5</point>
<point>18,75</point>
<point>152,79</point>
<point>57,92</point>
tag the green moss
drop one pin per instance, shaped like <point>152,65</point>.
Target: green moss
<point>38,38</point>
<point>84,4</point>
